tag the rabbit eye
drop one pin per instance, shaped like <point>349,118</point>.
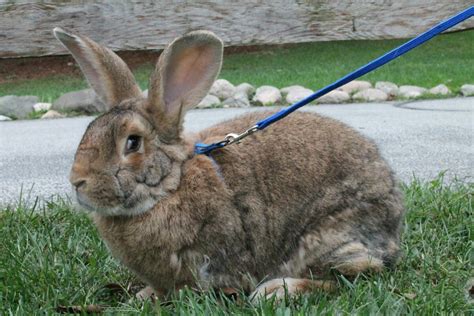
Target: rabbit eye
<point>133,144</point>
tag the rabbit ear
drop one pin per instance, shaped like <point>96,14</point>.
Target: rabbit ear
<point>183,76</point>
<point>106,73</point>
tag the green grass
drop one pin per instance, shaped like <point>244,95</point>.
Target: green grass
<point>52,256</point>
<point>445,59</point>
<point>47,89</point>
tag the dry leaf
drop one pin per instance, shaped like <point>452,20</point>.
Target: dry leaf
<point>114,288</point>
<point>76,309</point>
<point>230,292</point>
<point>409,296</point>
<point>147,293</point>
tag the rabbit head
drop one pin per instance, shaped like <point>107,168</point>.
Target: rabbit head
<point>130,157</point>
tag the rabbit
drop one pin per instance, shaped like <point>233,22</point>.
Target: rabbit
<point>277,214</point>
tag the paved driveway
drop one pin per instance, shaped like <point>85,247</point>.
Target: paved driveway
<point>418,139</point>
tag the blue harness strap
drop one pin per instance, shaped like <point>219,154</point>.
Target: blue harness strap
<point>382,60</point>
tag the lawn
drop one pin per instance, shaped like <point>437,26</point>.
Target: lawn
<point>51,256</point>
<point>445,59</point>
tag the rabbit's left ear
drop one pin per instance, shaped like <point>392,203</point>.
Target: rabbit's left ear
<point>183,76</point>
<point>106,73</point>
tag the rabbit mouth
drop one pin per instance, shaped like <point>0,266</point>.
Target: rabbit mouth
<point>89,206</point>
<point>134,209</point>
<point>85,203</point>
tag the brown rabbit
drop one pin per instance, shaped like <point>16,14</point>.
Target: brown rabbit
<point>287,205</point>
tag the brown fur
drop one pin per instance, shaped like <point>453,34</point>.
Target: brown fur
<point>304,196</point>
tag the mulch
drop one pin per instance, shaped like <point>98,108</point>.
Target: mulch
<point>18,69</point>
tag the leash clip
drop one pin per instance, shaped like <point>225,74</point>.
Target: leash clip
<point>236,138</point>
<point>228,139</point>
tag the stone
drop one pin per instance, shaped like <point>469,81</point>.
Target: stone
<point>17,107</point>
<point>334,97</point>
<point>267,95</point>
<point>209,101</point>
<point>246,88</point>
<point>411,92</point>
<point>42,107</point>
<point>371,95</point>
<point>222,89</point>
<point>388,87</point>
<point>4,118</point>
<point>84,101</point>
<point>440,89</point>
<point>52,114</point>
<point>145,93</point>
<point>284,91</point>
<point>238,100</point>
<point>356,85</point>
<point>467,89</point>
<point>296,93</point>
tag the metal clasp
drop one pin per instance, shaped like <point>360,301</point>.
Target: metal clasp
<point>236,138</point>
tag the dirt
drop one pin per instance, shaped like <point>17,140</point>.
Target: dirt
<point>39,67</point>
<point>18,69</point>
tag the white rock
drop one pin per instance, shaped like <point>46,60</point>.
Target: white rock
<point>335,96</point>
<point>467,89</point>
<point>52,114</point>
<point>296,94</point>
<point>145,93</point>
<point>19,107</point>
<point>284,91</point>
<point>4,118</point>
<point>42,107</point>
<point>410,92</point>
<point>209,101</point>
<point>388,87</point>
<point>238,100</point>
<point>356,85</point>
<point>267,95</point>
<point>222,89</point>
<point>440,89</point>
<point>246,88</point>
<point>79,101</point>
<point>371,95</point>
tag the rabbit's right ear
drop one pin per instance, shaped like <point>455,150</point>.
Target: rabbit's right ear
<point>106,73</point>
<point>183,76</point>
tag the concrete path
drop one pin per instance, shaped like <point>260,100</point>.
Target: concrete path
<point>418,139</point>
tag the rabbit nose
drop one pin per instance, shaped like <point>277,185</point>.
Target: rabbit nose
<point>78,176</point>
<point>77,183</point>
<point>77,180</point>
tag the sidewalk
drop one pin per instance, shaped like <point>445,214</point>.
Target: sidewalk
<point>419,138</point>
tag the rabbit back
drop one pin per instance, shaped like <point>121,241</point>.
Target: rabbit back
<point>309,184</point>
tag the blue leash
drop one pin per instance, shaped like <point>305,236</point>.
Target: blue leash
<point>382,60</point>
